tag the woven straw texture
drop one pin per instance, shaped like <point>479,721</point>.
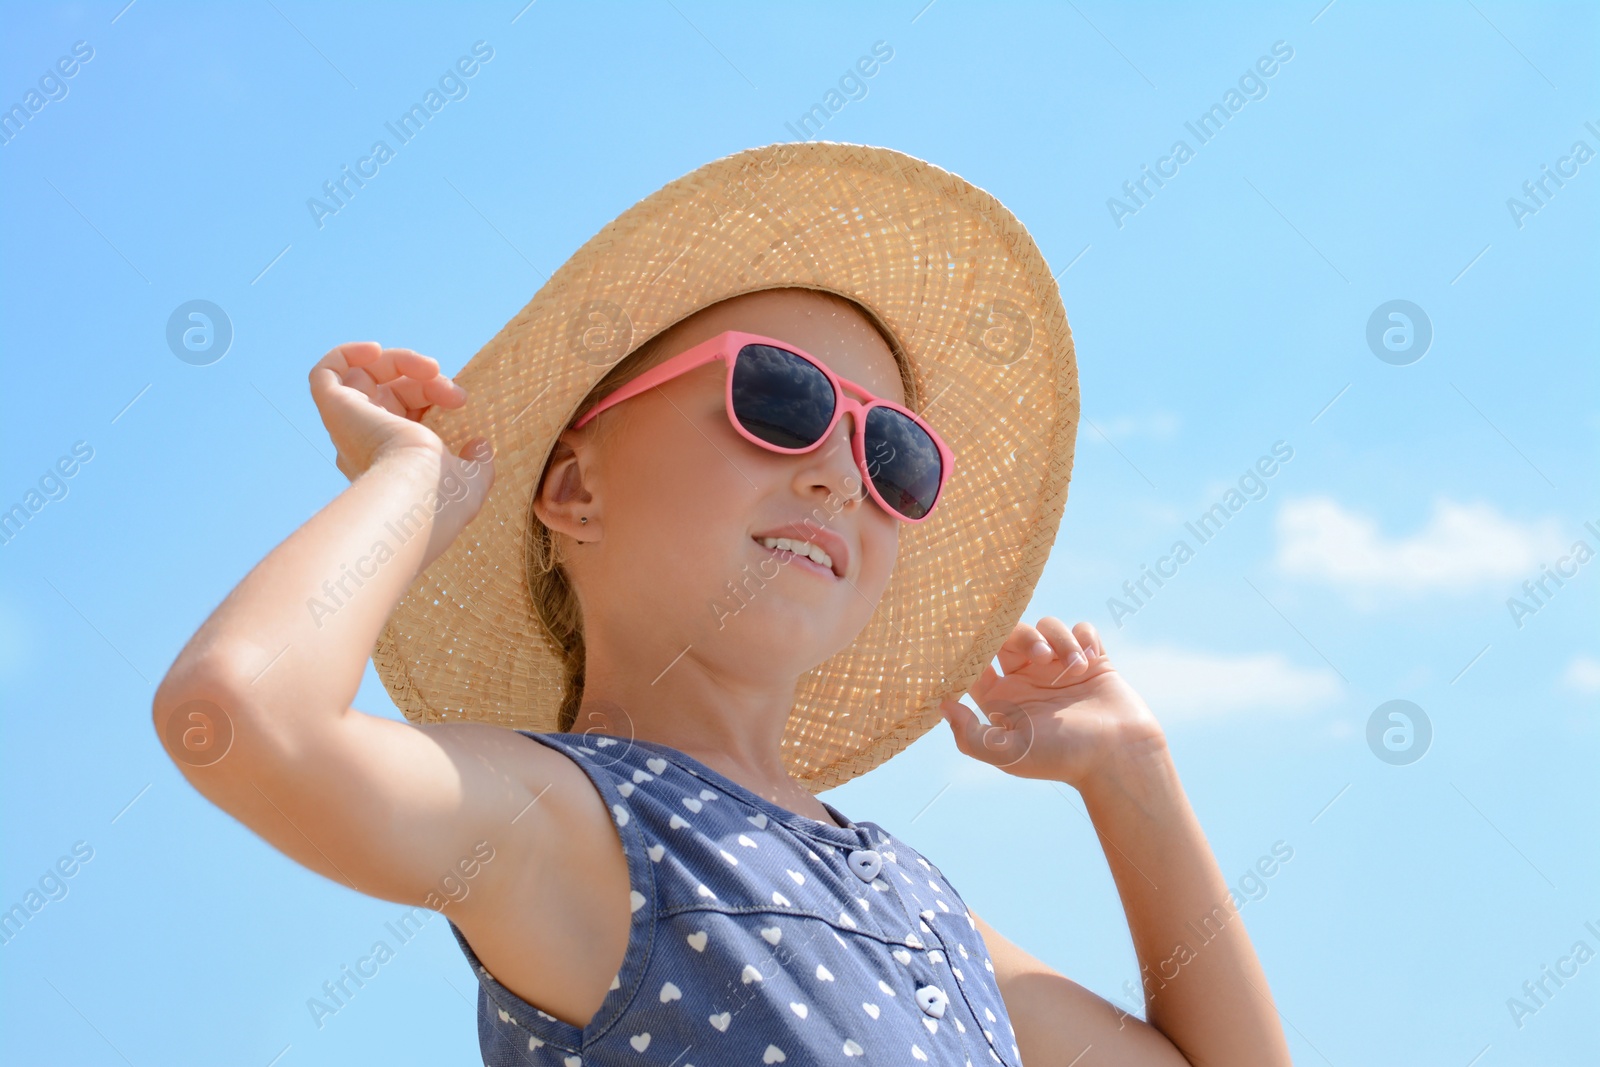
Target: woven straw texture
<point>947,270</point>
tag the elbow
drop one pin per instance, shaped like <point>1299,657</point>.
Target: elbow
<point>199,715</point>
<point>196,731</point>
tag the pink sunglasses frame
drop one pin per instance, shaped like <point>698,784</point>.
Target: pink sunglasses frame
<point>849,398</point>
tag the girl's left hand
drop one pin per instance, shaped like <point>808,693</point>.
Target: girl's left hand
<point>1061,711</point>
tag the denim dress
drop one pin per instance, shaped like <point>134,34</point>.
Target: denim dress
<point>760,936</point>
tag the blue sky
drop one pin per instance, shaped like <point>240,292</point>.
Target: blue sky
<point>1225,314</point>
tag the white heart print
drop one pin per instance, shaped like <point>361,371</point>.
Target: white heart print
<point>907,905</point>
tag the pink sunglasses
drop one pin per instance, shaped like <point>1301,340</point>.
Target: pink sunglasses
<point>786,400</point>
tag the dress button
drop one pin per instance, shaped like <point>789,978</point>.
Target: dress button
<point>932,1000</point>
<point>866,863</point>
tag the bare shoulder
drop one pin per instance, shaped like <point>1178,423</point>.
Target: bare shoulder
<point>551,922</point>
<point>550,824</point>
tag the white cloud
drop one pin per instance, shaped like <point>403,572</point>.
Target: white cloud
<point>1583,675</point>
<point>1182,684</point>
<point>1462,545</point>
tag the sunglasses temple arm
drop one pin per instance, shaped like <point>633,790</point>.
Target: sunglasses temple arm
<point>682,363</point>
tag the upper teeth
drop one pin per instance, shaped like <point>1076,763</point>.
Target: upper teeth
<point>799,548</point>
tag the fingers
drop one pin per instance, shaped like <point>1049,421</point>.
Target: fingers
<point>415,378</point>
<point>1025,645</point>
<point>1050,653</point>
<point>358,379</point>
<point>1089,638</point>
<point>385,395</point>
<point>999,745</point>
<point>417,394</point>
<point>393,362</point>
<point>331,368</point>
<point>1070,652</point>
<point>1076,651</point>
<point>401,380</point>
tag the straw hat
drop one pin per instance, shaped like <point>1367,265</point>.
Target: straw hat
<point>946,270</point>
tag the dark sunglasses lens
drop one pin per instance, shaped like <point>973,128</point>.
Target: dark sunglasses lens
<point>781,398</point>
<point>903,461</point>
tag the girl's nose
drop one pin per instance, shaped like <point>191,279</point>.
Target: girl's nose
<point>833,466</point>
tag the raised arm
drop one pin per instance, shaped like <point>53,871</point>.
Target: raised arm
<point>255,711</point>
<point>1059,1023</point>
<point>1063,712</point>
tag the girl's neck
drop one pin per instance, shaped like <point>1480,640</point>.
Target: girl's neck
<point>751,758</point>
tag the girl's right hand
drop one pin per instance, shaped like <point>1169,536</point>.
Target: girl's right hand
<point>372,398</point>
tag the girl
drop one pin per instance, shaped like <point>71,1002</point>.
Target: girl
<point>717,519</point>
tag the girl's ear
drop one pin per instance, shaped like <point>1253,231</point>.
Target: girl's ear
<point>562,501</point>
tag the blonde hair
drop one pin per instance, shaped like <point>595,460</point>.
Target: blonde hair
<point>555,600</point>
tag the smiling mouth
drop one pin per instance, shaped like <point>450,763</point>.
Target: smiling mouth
<point>800,553</point>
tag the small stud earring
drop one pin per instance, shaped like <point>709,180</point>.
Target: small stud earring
<point>583,518</point>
